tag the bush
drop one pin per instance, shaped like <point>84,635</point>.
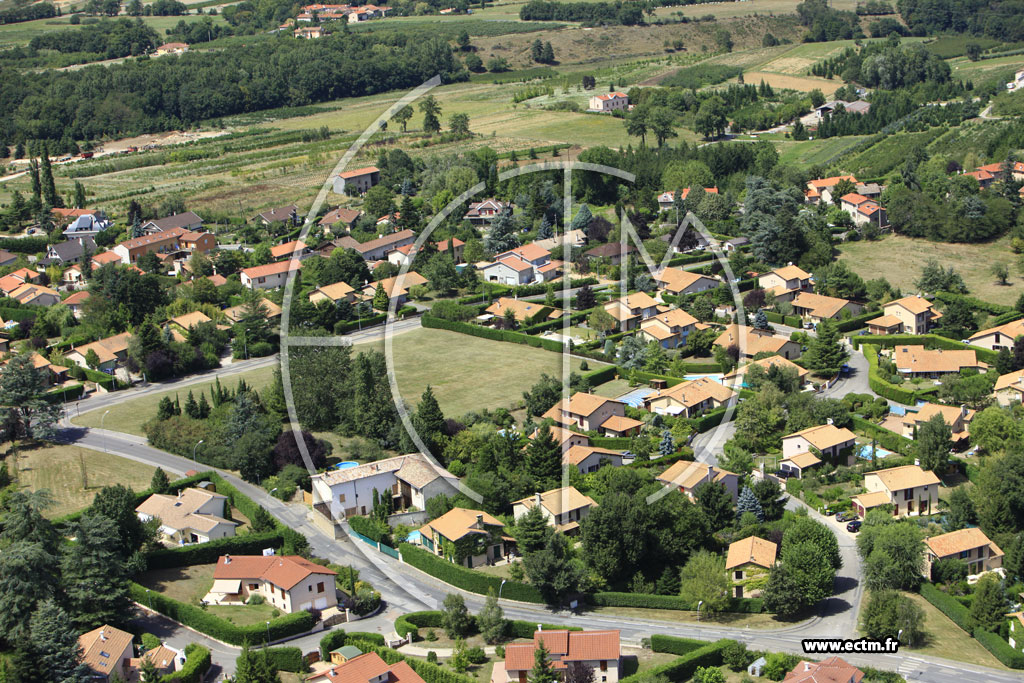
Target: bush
<point>948,605</point>
<point>337,638</point>
<point>150,642</point>
<point>378,532</point>
<point>476,655</point>
<point>682,669</point>
<point>197,663</point>
<point>207,553</point>
<point>464,578</point>
<point>287,659</point>
<point>652,601</point>
<point>1000,648</point>
<point>674,645</point>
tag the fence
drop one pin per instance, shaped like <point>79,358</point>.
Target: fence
<point>386,549</point>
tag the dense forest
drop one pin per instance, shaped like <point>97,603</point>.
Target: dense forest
<point>110,39</point>
<point>999,19</point>
<point>43,10</point>
<point>147,95</point>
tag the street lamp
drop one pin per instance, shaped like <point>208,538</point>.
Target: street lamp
<point>194,450</point>
<point>699,603</point>
<point>102,417</point>
<point>268,633</point>
<point>899,635</point>
<point>500,587</point>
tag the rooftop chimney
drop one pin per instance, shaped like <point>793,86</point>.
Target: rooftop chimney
<point>227,559</point>
<point>480,519</point>
<point>963,410</point>
<point>829,421</point>
<point>537,498</point>
<point>103,636</point>
<point>711,472</point>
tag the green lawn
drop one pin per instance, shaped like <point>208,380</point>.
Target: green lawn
<point>810,152</point>
<point>946,639</point>
<point>613,389</point>
<point>732,619</point>
<point>191,584</point>
<point>21,33</point>
<point>59,469</point>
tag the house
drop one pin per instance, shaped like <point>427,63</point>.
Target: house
<point>191,516</point>
<point>596,650</point>
<point>344,653</point>
<point>997,338</point>
<point>613,251</point>
<point>751,341</point>
<point>339,291</point>
<point>631,309</point>
<point>735,244</point>
<point>472,538</point>
<point>111,352</point>
<point>613,101</point>
<point>619,426</point>
<point>395,287</point>
<point>909,489</point>
<point>748,562</point>
<point>685,241</point>
<point>166,660</point>
<point>72,277</point>
<point>971,546</point>
<point>35,295</point>
<point>105,258</point>
<point>172,49</point>
<point>677,281</point>
<point>411,480</point>
<point>670,329</point>
<point>187,321</point>
<point>522,265</point>
<point>296,249</point>
<point>378,249</point>
<point>52,374</point>
<point>827,439</point>
<point>565,438</point>
<point>957,417</point>
<point>765,364</point>
<point>76,302</point>
<point>7,258</point>
<point>563,508</point>
<point>522,310</point>
<point>340,219</point>
<point>863,210</point>
<point>828,108</point>
<point>666,200</point>
<point>483,213</point>
<point>1009,388</point>
<point>269,276</point>
<point>869,190</point>
<point>357,181</point>
<point>820,190</point>
<point>818,307</point>
<point>589,459</point>
<point>187,221</point>
<point>236,313</point>
<point>283,214</point>
<point>87,225</point>
<point>308,32</point>
<point>688,476</point>
<point>404,255</point>
<point>786,282</point>
<point>108,652</point>
<point>689,399</point>
<point>831,670</point>
<point>366,668</point>
<point>22,276</point>
<point>585,411</point>
<point>168,241</point>
<point>917,361</point>
<point>909,315</point>
<point>288,582</point>
<point>984,178</point>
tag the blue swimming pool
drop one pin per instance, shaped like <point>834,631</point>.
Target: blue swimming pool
<point>346,464</point>
<point>636,397</point>
<point>865,452</point>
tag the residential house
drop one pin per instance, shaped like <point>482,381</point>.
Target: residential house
<point>958,418</point>
<point>288,582</point>
<point>236,313</point>
<point>765,364</point>
<point>615,252</point>
<point>108,652</point>
<point>35,295</point>
<point>22,276</point>
<point>565,438</point>
<point>588,412</point>
<point>613,101</point>
<point>484,213</point>
<point>76,302</point>
<point>984,178</point>
<point>619,426</point>
<point>188,221</point>
<point>818,307</point>
<point>689,399</point>
<point>187,321</point>
<point>283,214</point>
<point>472,538</point>
<point>909,489</point>
<point>269,276</point>
<point>909,315</point>
<point>677,282</point>
<point>863,210</point>
<point>786,282</point>
<point>751,341</point>
<point>7,258</point>
<point>589,459</point>
<point>296,249</point>
<point>563,508</point>
<point>366,668</point>
<point>735,244</point>
<point>820,190</point>
<point>52,374</point>
<point>339,291</point>
<point>72,277</point>
<point>339,219</point>
<point>870,190</point>
<point>629,311</point>
<point>105,258</point>
<point>996,338</point>
<point>522,310</point>
<point>191,516</point>
<point>166,660</point>
<point>357,181</point>
<point>87,225</point>
<point>1009,388</point>
<point>971,546</point>
<point>395,287</point>
<point>308,32</point>
<point>522,265</point>
<point>682,240</point>
<point>598,651</point>
<point>917,361</point>
<point>670,329</point>
<point>110,352</point>
<point>827,439</point>
<point>831,670</point>
<point>163,242</point>
<point>172,49</point>
<point>410,480</point>
<point>666,200</point>
<point>405,254</point>
<point>748,562</point>
<point>378,249</point>
<point>688,476</point>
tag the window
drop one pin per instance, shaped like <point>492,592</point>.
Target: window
<point>604,665</point>
<point>341,497</point>
<point>320,587</point>
<point>254,586</point>
<point>908,494</point>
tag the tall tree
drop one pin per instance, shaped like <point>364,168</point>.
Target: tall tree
<point>552,571</point>
<point>95,579</point>
<point>28,576</point>
<point>117,503</point>
<point>989,606</point>
<point>491,619</point>
<point>933,442</point>
<point>402,116</point>
<point>704,579</point>
<point>431,114</point>
<point>55,642</point>
<point>21,389</point>
<point>532,530</point>
<point>544,459</point>
<point>807,530</point>
<point>429,420</point>
<point>716,503</point>
<point>748,502</point>
<point>455,618</point>
<point>825,352</point>
<point>543,670</point>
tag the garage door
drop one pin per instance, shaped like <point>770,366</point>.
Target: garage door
<point>321,603</point>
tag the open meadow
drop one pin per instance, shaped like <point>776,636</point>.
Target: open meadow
<point>19,34</point>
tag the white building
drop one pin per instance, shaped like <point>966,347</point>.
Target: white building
<point>269,276</point>
<point>613,101</point>
<point>191,516</point>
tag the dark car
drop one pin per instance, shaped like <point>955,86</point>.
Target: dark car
<point>854,526</point>
<point>846,516</point>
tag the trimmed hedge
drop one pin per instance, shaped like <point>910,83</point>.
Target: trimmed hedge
<point>20,314</point>
<point>690,258</point>
<point>882,387</point>
<point>674,645</point>
<point>614,442</point>
<point>197,663</point>
<point>682,669</point>
<point>930,341</point>
<point>287,659</point>
<point>1007,318</point>
<point>464,578</point>
<point>601,375</point>
<point>856,322</point>
<point>652,601</point>
<point>490,333</point>
<point>1000,648</point>
<point>23,245</point>
<point>337,638</point>
<point>294,542</point>
<point>108,382</point>
<point>948,605</point>
<point>343,327</point>
<point>207,553</point>
<point>221,629</point>
<point>886,439</point>
<point>71,393</point>
<point>976,304</point>
<point>413,621</point>
<point>710,420</point>
<point>366,527</point>
<point>779,319</point>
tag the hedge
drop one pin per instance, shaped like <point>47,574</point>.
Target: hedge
<point>287,659</point>
<point>366,527</point>
<point>856,322</point>
<point>413,621</point>
<point>710,420</point>
<point>221,629</point>
<point>345,326</point>
<point>23,245</point>
<point>430,673</point>
<point>931,341</point>
<point>948,605</point>
<point>883,387</point>
<point>337,638</point>
<point>464,578</point>
<point>779,319</point>
<point>70,393</point>
<point>1007,318</point>
<point>490,333</point>
<point>690,258</point>
<point>651,601</point>
<point>886,439</point>
<point>1000,648</point>
<point>294,542</point>
<point>614,442</point>
<point>197,663</point>
<point>209,552</point>
<point>674,645</point>
<point>108,382</point>
<point>185,482</point>
<point>682,669</point>
<point>19,314</point>
<point>555,324</point>
<point>975,304</point>
<point>601,375</point>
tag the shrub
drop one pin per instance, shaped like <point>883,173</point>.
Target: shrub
<point>197,663</point>
<point>476,655</point>
<point>287,659</point>
<point>150,642</point>
<point>674,645</point>
<point>464,578</point>
<point>1000,649</point>
<point>948,605</point>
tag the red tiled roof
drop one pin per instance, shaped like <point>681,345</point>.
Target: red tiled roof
<point>283,571</point>
<point>272,269</point>
<point>359,172</point>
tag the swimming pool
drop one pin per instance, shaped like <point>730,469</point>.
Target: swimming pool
<point>636,397</point>
<point>346,464</point>
<point>865,452</point>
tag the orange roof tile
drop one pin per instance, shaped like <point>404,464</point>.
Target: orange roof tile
<point>751,550</point>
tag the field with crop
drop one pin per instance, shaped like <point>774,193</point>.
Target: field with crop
<point>13,35</point>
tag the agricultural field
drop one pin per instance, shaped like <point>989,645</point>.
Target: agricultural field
<point>998,70</point>
<point>900,260</point>
<point>811,152</point>
<point>19,34</point>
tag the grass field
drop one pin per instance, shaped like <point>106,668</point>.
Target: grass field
<point>12,35</point>
<point>59,469</point>
<point>731,619</point>
<point>191,584</point>
<point>1001,69</point>
<point>900,260</point>
<point>811,152</point>
<point>946,639</point>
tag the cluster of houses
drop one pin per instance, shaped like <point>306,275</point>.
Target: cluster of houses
<point>312,14</point>
<point>988,174</point>
<point>110,655</point>
<point>861,204</point>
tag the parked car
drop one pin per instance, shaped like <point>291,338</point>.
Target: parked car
<point>846,516</point>
<point>854,526</point>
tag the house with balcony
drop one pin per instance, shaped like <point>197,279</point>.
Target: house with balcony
<point>911,491</point>
<point>591,412</point>
<point>190,516</point>
<point>270,275</point>
<point>471,538</point>
<point>817,307</point>
<point>564,508</point>
<point>748,563</point>
<point>971,546</point>
<point>820,190</point>
<point>613,101</point>
<point>484,212</point>
<point>908,315</point>
<point>751,341</point>
<point>597,651</point>
<point>521,266</point>
<point>588,459</point>
<point>917,361</point>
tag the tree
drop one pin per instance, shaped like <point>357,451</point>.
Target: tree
<point>455,618</point>
<point>429,420</point>
<point>28,577</point>
<point>893,554</point>
<point>704,579</point>
<point>117,503</point>
<point>585,299</point>
<point>960,511</point>
<point>992,429</point>
<point>748,502</point>
<point>662,124</point>
<point>601,321</point>
<point>989,604</point>
<point>463,40</point>
<point>769,495</point>
<point>667,446</point>
<point>459,124</point>
<point>255,667</point>
<point>578,672</point>
<point>548,56</point>
<point>1001,272</point>
<point>431,114</point>
<point>807,530</point>
<point>403,115</point>
<point>636,123</point>
<point>55,642</point>
<point>537,50</point>
<point>801,579</point>
<point>159,483</point>
<point>888,613</point>
<point>94,576</point>
<point>532,531</point>
<point>825,352</point>
<point>544,459</point>
<point>949,570</point>
<point>543,670</point>
<point>21,390</point>
<point>716,503</point>
<point>148,673</point>
<point>708,674</point>
<point>933,442</point>
<point>552,571</point>
<point>79,195</point>
<point>490,621</point>
<point>474,63</point>
<point>380,298</point>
